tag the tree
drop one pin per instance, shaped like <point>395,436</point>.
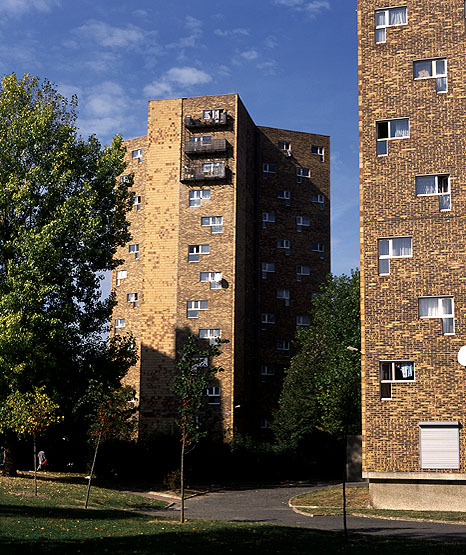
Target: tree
<point>321,390</point>
<point>62,217</point>
<point>195,375</point>
<point>29,414</point>
<point>110,412</point>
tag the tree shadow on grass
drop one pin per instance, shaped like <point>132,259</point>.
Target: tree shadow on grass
<point>54,513</point>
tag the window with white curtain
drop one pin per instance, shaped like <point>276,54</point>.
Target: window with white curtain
<point>392,372</point>
<point>198,195</point>
<point>432,69</point>
<point>439,307</point>
<point>389,17</point>
<point>435,185</point>
<point>394,247</point>
<point>388,130</point>
<point>214,222</point>
<point>215,279</point>
<point>212,334</point>
<point>193,307</point>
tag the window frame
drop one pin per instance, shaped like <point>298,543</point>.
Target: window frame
<point>214,278</point>
<point>434,74</point>
<point>381,140</point>
<point>215,225</point>
<point>267,318</point>
<point>387,18</point>
<point>387,383</point>
<point>198,195</point>
<point>302,221</point>
<point>268,218</point>
<point>300,273</point>
<point>436,193</point>
<point>284,294</point>
<point>211,337</point>
<point>193,308</point>
<point>195,255</point>
<point>303,321</point>
<point>121,274</point>
<point>445,317</point>
<point>265,270</point>
<point>213,394</point>
<point>390,254</point>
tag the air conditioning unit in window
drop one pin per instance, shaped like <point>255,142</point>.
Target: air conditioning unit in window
<point>288,153</point>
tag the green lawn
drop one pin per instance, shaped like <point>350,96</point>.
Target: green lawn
<point>56,523</point>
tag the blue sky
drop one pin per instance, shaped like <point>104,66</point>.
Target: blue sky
<point>293,62</point>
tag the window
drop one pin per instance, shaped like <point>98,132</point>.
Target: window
<point>302,172</point>
<point>215,115</point>
<point>124,179</point>
<point>286,147</point>
<point>214,222</point>
<point>432,69</point>
<point>285,295</point>
<point>204,140</point>
<point>283,345</point>
<point>267,218</point>
<point>269,168</point>
<point>213,395</point>
<point>303,321</point>
<point>267,268</point>
<point>134,249</point>
<point>215,279</point>
<point>318,199</point>
<point>119,324</point>
<point>430,185</point>
<point>267,370</point>
<point>267,318</point>
<point>121,274</point>
<point>392,372</point>
<point>201,362</point>
<point>390,129</point>
<point>197,195</point>
<point>439,307</point>
<point>319,247</point>
<point>195,251</point>
<point>213,169</point>
<point>302,271</point>
<point>319,151</point>
<point>439,444</point>
<point>302,221</point>
<point>284,244</point>
<point>397,247</point>
<point>132,298</point>
<point>389,17</point>
<point>212,334</point>
<point>137,154</point>
<point>137,202</point>
<point>265,424</point>
<point>193,308</point>
<point>285,195</point>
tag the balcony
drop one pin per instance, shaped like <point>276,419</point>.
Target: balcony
<point>215,119</point>
<point>201,172</point>
<point>200,147</point>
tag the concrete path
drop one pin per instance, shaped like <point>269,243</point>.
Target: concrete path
<point>270,506</point>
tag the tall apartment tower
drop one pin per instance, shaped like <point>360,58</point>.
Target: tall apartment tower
<point>412,83</point>
<point>231,237</point>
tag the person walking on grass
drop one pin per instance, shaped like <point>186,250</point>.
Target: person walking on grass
<point>42,460</point>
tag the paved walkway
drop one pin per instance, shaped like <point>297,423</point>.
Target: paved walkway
<point>270,506</point>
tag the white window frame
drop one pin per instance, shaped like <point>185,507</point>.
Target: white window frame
<point>386,384</point>
<point>320,248</point>
<point>134,249</point>
<point>440,78</point>
<point>267,268</point>
<point>444,196</point>
<point>318,151</point>
<point>212,168</point>
<point>285,295</point>
<point>203,139</point>
<point>302,270</point>
<point>390,254</point>
<point>212,334</point>
<point>195,251</point>
<point>214,222</point>
<point>124,178</point>
<point>269,168</point>
<point>213,115</point>
<point>318,198</point>
<point>196,196</point>
<point>267,318</point>
<point>265,424</point>
<point>303,321</point>
<point>384,140</point>
<point>120,323</point>
<point>283,345</point>
<point>193,308</point>
<point>302,173</point>
<point>267,370</point>
<point>121,274</point>
<point>213,395</point>
<point>136,154</point>
<point>381,37</point>
<point>284,244</point>
<point>268,218</point>
<point>214,278</point>
<point>132,298</point>
<point>446,318</point>
<point>302,221</point>
<point>285,195</point>
<point>137,202</point>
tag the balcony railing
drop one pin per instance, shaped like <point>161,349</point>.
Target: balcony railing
<point>191,121</point>
<point>210,170</point>
<point>195,147</point>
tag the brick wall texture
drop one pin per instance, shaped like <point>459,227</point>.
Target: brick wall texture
<point>391,327</point>
<point>165,226</point>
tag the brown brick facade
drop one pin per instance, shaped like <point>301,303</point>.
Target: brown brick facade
<point>166,225</point>
<point>391,208</point>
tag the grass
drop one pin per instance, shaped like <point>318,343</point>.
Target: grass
<point>329,501</point>
<point>55,523</point>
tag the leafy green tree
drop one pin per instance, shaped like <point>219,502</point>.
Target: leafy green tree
<point>110,412</point>
<point>29,414</point>
<point>321,390</point>
<point>195,374</point>
<point>62,217</point>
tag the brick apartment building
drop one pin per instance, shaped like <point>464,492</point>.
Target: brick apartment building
<point>412,83</point>
<point>231,237</point>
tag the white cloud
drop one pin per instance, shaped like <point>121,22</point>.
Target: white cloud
<point>20,7</point>
<point>250,54</point>
<point>232,32</point>
<point>111,37</point>
<point>140,13</point>
<point>312,8</point>
<point>271,42</point>
<point>194,26</point>
<point>176,79</point>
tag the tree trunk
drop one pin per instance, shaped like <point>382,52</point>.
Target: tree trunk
<point>92,470</point>
<point>35,465</point>
<point>183,446</point>
<point>9,462</point>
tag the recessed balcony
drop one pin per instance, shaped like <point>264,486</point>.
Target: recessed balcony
<point>210,118</point>
<point>202,146</point>
<point>201,172</point>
